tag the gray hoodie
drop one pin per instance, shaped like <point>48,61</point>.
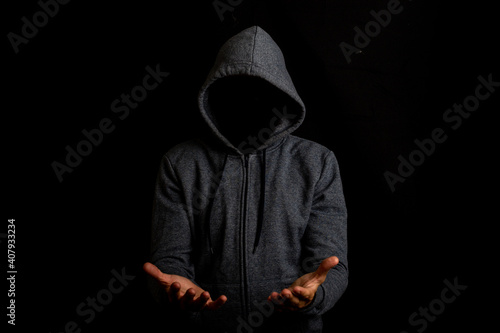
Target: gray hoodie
<point>244,218</point>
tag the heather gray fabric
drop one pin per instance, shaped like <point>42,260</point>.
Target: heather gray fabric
<point>244,219</point>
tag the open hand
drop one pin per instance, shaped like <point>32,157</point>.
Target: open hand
<point>183,292</point>
<point>301,293</point>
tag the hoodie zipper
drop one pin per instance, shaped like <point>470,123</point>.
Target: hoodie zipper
<point>243,240</point>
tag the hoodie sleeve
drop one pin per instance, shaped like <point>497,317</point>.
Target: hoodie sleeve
<point>171,237</point>
<point>326,235</point>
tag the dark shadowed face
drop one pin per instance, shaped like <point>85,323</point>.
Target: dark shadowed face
<point>242,106</point>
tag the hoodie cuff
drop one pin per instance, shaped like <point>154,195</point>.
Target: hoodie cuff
<point>312,307</point>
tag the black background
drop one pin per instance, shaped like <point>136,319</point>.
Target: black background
<point>439,224</point>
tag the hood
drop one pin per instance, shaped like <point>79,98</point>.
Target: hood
<point>248,99</point>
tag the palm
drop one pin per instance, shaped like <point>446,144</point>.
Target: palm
<point>301,292</point>
<point>183,292</point>
<point>310,282</point>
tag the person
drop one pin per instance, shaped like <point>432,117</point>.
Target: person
<point>249,230</point>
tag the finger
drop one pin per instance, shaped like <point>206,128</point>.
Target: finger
<point>274,294</point>
<point>154,272</point>
<point>201,301</point>
<point>174,292</point>
<point>277,299</point>
<point>186,301</point>
<point>290,299</point>
<point>217,303</point>
<point>303,293</point>
<point>325,267</point>
<point>286,293</point>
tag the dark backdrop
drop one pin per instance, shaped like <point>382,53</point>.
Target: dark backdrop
<point>71,234</point>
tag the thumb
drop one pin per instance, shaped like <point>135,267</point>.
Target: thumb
<point>325,267</point>
<point>154,271</point>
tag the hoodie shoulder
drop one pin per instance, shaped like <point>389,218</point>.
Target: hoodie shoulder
<point>187,150</point>
<point>307,147</point>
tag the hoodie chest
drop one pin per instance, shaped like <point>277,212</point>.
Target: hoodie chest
<point>252,195</point>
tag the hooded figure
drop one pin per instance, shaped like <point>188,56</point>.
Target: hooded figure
<point>250,211</point>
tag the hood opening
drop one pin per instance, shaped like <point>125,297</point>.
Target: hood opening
<point>248,110</point>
